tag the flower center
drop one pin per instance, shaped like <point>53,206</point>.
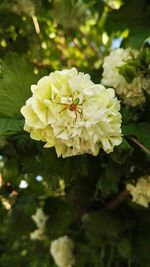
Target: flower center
<point>74,106</point>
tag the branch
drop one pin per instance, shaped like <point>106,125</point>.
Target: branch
<point>77,44</point>
<point>146,150</point>
<point>92,46</point>
<point>121,196</point>
<point>36,24</point>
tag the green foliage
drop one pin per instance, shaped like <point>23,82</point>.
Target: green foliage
<point>10,126</point>
<point>109,179</point>
<point>144,58</point>
<point>102,229</point>
<point>129,71</point>
<point>141,131</point>
<point>21,216</point>
<point>17,76</point>
<point>122,152</point>
<point>135,66</point>
<point>72,11</point>
<point>138,34</point>
<point>138,24</point>
<point>61,216</point>
<point>37,37</point>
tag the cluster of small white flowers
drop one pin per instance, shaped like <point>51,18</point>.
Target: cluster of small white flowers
<point>141,191</point>
<point>68,111</point>
<point>40,219</point>
<point>130,93</point>
<point>62,251</point>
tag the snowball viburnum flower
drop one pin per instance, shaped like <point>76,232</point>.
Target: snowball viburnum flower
<point>130,93</point>
<point>141,191</point>
<point>40,219</point>
<point>68,111</point>
<point>37,234</point>
<point>62,251</point>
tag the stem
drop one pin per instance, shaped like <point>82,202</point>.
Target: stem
<point>110,257</point>
<point>129,261</point>
<point>77,44</point>
<point>92,46</point>
<point>1,181</point>
<point>117,199</point>
<point>146,150</point>
<point>36,24</point>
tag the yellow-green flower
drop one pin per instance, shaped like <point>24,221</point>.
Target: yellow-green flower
<point>68,111</point>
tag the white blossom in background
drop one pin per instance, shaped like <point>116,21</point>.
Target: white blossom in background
<point>68,111</point>
<point>130,93</point>
<point>40,219</point>
<point>38,234</point>
<point>141,191</point>
<point>61,250</point>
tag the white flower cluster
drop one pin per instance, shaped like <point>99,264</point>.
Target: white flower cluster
<point>62,251</point>
<point>130,93</point>
<point>68,111</point>
<point>141,191</point>
<point>40,219</point>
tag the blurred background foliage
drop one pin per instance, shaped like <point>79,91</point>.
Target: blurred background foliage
<point>37,37</point>
<point>66,33</point>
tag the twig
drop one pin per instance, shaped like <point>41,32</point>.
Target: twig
<point>110,258</point>
<point>92,46</point>
<point>36,24</point>
<point>146,150</point>
<point>78,46</point>
<point>117,199</point>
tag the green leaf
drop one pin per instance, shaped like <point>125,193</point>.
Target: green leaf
<point>142,247</point>
<point>136,10</point>
<point>124,248</point>
<point>72,11</point>
<point>10,172</point>
<point>122,152</point>
<point>138,24</point>
<point>68,168</point>
<point>128,115</point>
<point>21,216</point>
<point>17,77</point>
<point>61,215</point>
<point>141,131</point>
<point>102,228</point>
<point>108,182</point>
<point>144,57</point>
<point>10,126</point>
<point>129,71</point>
<point>137,35</point>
